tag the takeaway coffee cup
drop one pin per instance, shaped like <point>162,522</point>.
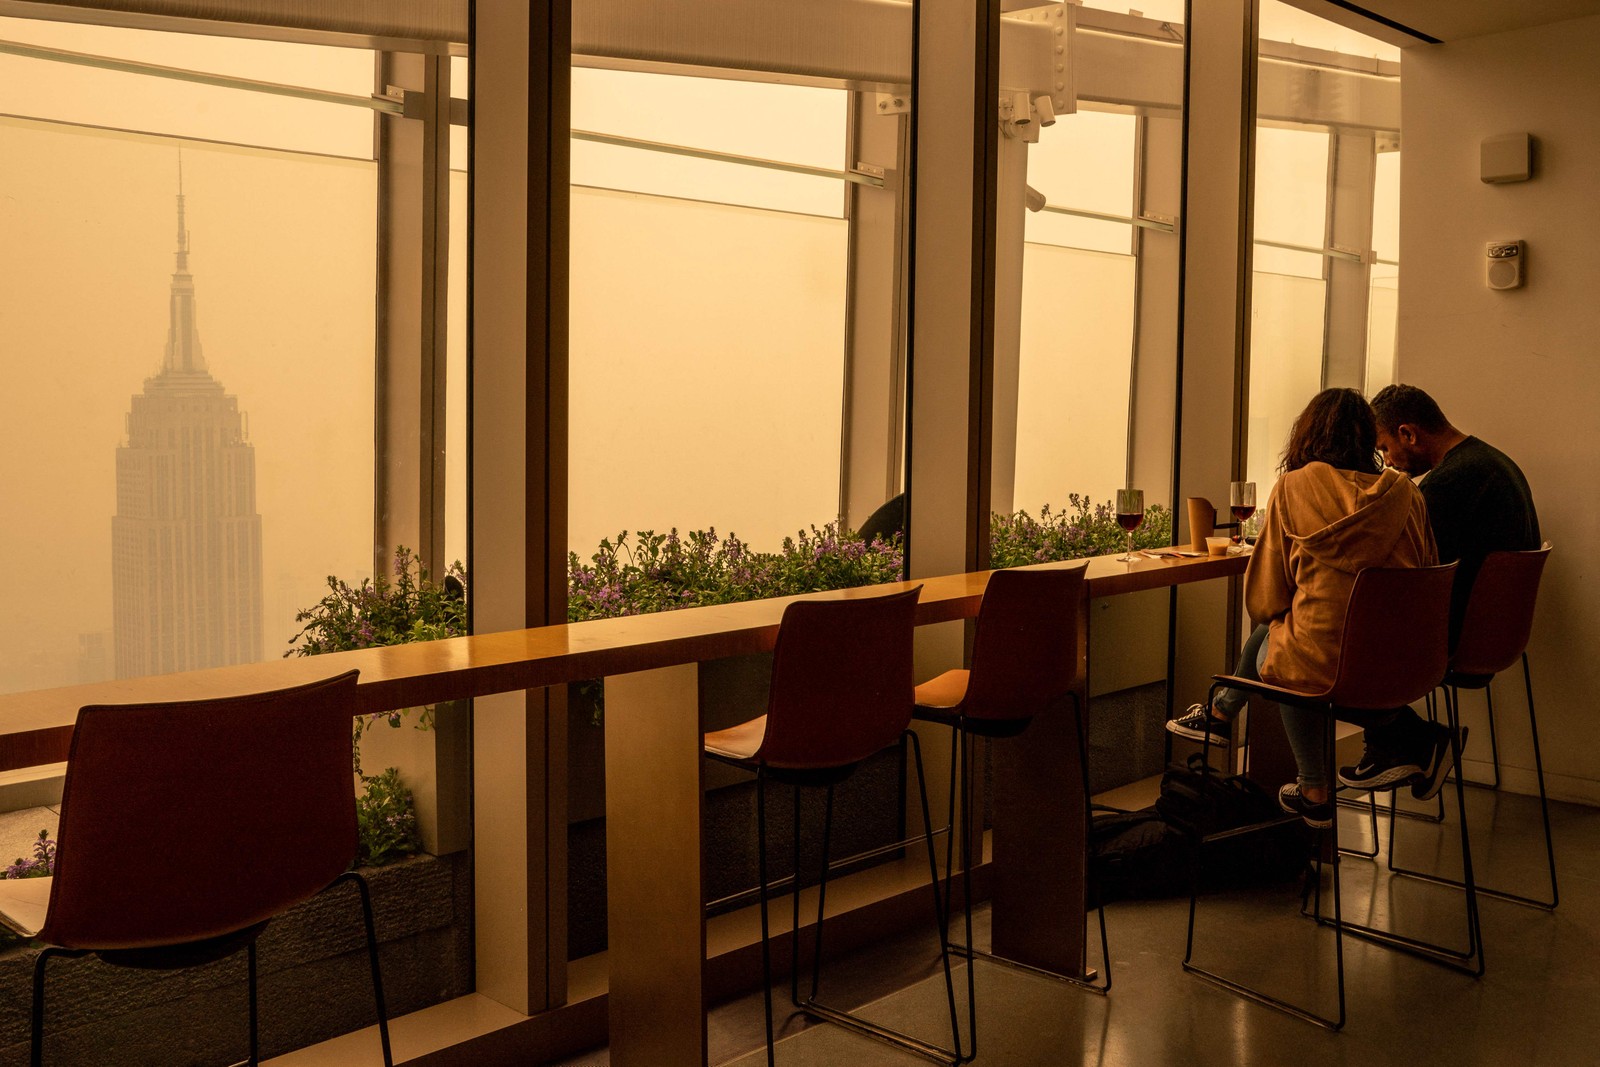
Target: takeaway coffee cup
<point>1202,522</point>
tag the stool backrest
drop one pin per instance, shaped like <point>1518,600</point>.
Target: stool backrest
<point>1395,645</point>
<point>1499,618</point>
<point>186,821</point>
<point>842,680</point>
<point>1024,656</point>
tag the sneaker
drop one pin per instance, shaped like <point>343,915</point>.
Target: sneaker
<point>1197,722</point>
<point>1317,816</point>
<point>1440,757</point>
<point>1378,770</point>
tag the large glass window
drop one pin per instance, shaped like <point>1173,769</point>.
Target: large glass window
<point>1078,286</point>
<point>187,298</point>
<point>708,306</point>
<point>1325,212</point>
<point>1384,306</point>
<point>1099,272</point>
<point>1286,324</point>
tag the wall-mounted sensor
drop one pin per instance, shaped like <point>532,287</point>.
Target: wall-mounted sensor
<point>1503,264</point>
<point>1507,158</point>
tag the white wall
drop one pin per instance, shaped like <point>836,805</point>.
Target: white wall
<point>1518,368</point>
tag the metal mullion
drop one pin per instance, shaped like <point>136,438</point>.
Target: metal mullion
<point>222,81</point>
<point>618,141</point>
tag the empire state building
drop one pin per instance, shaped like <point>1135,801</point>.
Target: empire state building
<point>186,538</point>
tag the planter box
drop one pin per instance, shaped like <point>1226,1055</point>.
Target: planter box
<point>314,983</point>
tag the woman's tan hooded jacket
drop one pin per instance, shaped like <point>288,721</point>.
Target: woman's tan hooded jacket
<point>1323,526</point>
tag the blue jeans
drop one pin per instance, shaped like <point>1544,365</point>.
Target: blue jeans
<point>1230,702</point>
<point>1305,729</point>
<point>1399,732</point>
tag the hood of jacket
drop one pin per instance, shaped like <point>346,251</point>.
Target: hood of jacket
<point>1347,520</point>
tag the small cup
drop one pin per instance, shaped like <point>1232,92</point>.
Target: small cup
<point>1218,546</point>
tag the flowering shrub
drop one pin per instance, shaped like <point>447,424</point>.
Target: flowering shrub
<point>1083,529</point>
<point>380,612</point>
<point>660,572</point>
<point>386,821</point>
<point>43,864</point>
<point>383,612</point>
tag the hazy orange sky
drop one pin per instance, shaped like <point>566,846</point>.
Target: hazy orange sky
<point>282,258</point>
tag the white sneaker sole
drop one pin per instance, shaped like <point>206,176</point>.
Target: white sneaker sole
<point>1392,778</point>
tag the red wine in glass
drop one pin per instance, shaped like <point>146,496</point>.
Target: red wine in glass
<point>1242,502</point>
<point>1130,513</point>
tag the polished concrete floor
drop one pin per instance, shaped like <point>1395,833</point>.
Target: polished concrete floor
<point>1537,1004</point>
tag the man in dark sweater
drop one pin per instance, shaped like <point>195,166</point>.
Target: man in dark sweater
<point>1478,500</point>
<point>1478,503</point>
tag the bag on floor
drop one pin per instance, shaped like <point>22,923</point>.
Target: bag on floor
<point>1199,801</point>
<point>1135,855</point>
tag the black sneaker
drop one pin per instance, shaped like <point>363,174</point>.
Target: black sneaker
<point>1378,770</point>
<point>1440,759</point>
<point>1197,722</point>
<point>1317,816</point>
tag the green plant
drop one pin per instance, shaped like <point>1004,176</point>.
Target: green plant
<point>661,572</point>
<point>1082,529</point>
<point>386,820</point>
<point>380,611</point>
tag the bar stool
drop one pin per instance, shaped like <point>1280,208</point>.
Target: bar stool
<point>1494,635</point>
<point>842,683</point>
<point>1024,663</point>
<point>1393,651</point>
<point>258,789</point>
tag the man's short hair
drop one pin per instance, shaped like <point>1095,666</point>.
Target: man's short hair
<point>1397,405</point>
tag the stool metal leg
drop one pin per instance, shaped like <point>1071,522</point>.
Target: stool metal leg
<point>250,983</point>
<point>811,1006</point>
<point>1468,960</point>
<point>1090,980</point>
<point>1544,812</point>
<point>761,877</point>
<point>1334,1022</point>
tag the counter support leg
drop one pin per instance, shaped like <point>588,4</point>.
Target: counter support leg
<point>655,903</point>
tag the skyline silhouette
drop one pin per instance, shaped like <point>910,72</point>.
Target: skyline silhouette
<point>186,537</point>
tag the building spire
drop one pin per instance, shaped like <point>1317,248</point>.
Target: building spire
<point>183,231</point>
<point>183,338</point>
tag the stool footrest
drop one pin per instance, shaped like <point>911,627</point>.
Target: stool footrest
<point>1248,993</point>
<point>880,1033</point>
<point>1090,979</point>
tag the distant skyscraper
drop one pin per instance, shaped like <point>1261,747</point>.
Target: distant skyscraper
<point>186,539</point>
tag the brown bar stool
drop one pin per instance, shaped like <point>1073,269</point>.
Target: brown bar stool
<point>1494,635</point>
<point>841,691</point>
<point>1393,651</point>
<point>1024,663</point>
<point>269,770</point>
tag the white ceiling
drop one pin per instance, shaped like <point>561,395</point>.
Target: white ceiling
<point>1452,20</point>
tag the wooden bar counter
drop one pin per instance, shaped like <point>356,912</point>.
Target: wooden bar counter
<point>657,927</point>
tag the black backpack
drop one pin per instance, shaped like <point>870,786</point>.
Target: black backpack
<point>1147,854</point>
<point>1198,801</point>
<point>1136,855</point>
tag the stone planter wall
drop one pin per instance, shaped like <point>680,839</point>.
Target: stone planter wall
<point>312,968</point>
